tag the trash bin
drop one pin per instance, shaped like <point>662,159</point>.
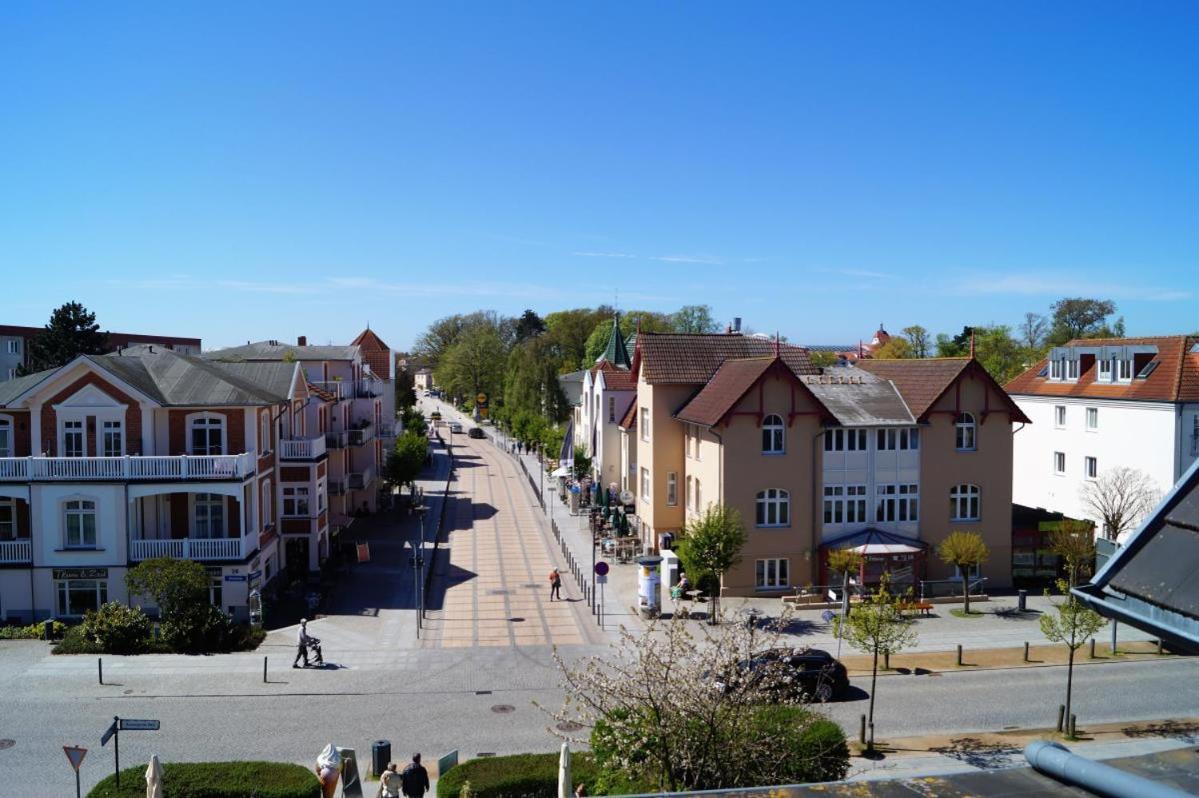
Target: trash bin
<point>380,756</point>
<point>1021,598</point>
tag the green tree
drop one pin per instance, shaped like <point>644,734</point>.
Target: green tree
<point>918,339</point>
<point>694,319</point>
<point>1072,625</point>
<point>847,563</point>
<point>531,381</point>
<point>173,585</point>
<point>405,461</point>
<point>877,627</point>
<point>823,359</point>
<point>895,349</point>
<point>568,331</point>
<point>1074,543</point>
<point>529,325</point>
<point>1077,317</point>
<point>965,550</point>
<point>649,321</point>
<point>71,331</point>
<point>582,462</point>
<point>117,629</point>
<point>713,543</point>
<point>474,364</point>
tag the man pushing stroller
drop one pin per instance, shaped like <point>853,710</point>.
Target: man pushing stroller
<point>307,644</point>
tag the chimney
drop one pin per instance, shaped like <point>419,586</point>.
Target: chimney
<point>302,340</point>
<point>736,324</point>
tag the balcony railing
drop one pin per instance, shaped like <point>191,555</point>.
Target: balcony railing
<point>368,389</point>
<point>16,551</point>
<point>359,480</point>
<point>302,449</point>
<point>189,549</point>
<point>339,388</point>
<point>71,469</point>
<point>336,440</point>
<point>360,437</point>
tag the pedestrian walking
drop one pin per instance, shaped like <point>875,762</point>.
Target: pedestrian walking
<point>301,644</point>
<point>389,782</point>
<point>555,585</point>
<point>414,781</point>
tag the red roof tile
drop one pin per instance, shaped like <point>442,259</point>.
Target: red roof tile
<point>616,378</point>
<point>729,385</point>
<point>630,417</point>
<point>1176,379</point>
<point>693,359</point>
<point>922,381</point>
<point>375,352</point>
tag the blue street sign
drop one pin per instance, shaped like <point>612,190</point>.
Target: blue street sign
<point>255,574</point>
<point>131,724</point>
<point>601,568</point>
<point>235,577</point>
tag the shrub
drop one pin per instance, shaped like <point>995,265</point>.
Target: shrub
<point>34,631</point>
<point>199,629</point>
<point>217,780</point>
<point>117,629</point>
<point>75,641</point>
<point>516,776</point>
<point>825,751</point>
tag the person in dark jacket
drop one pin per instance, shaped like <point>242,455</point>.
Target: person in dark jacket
<point>414,780</point>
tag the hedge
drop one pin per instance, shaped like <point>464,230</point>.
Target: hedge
<point>216,780</point>
<point>516,776</point>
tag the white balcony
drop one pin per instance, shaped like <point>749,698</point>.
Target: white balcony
<point>73,469</point>
<point>189,549</point>
<point>360,480</point>
<point>361,437</point>
<point>301,449</point>
<point>341,389</point>
<point>16,551</point>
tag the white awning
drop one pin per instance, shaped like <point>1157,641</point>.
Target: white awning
<point>885,548</point>
<point>561,472</point>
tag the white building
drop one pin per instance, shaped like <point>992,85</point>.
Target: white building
<point>1102,403</point>
<point>609,388</point>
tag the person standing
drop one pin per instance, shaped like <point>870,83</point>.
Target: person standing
<point>301,644</point>
<point>414,781</point>
<point>555,585</point>
<point>389,782</point>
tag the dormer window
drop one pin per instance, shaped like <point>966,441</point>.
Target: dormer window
<point>1105,370</point>
<point>1071,370</point>
<point>1125,371</point>
<point>1055,369</point>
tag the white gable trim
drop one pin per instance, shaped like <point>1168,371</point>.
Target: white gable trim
<point>71,372</point>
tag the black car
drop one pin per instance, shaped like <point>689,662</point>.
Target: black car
<point>476,432</point>
<point>809,674</point>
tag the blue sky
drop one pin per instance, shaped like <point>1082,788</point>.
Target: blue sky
<point>258,170</point>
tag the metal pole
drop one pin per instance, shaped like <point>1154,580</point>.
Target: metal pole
<point>116,748</point>
<point>264,670</point>
<point>100,668</point>
<point>77,793</point>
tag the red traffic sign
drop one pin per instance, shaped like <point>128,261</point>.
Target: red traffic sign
<point>601,568</point>
<point>75,755</point>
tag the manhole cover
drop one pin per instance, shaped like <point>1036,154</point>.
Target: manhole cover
<point>482,692</point>
<point>516,620</point>
<point>127,692</point>
<point>503,709</point>
<point>6,743</point>
<point>485,753</point>
<point>500,592</point>
<point>569,726</point>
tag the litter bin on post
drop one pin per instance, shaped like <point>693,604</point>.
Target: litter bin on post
<point>1021,598</point>
<point>380,756</point>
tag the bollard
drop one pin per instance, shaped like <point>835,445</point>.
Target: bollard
<point>1061,716</point>
<point>959,654</point>
<point>886,660</point>
<point>100,669</point>
<point>264,670</point>
<point>1021,599</point>
<point>600,607</point>
<point>1073,725</point>
<point>1159,646</point>
<point>862,731</point>
<point>870,745</point>
<point>1026,651</point>
<point>1092,648</point>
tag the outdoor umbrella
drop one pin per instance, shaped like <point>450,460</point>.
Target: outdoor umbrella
<point>154,778</point>
<point>564,788</point>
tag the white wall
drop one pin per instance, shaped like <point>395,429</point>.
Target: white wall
<point>48,524</point>
<point>1139,435</point>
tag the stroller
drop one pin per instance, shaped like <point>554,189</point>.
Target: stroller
<point>314,650</point>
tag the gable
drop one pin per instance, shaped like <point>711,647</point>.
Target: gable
<point>90,395</point>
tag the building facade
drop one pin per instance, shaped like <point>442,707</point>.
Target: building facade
<point>14,345</point>
<point>1098,404</point>
<point>608,390</point>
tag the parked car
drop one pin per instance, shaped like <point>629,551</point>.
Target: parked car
<point>476,432</point>
<point>809,674</point>
<point>455,427</point>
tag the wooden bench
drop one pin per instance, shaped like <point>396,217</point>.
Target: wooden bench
<point>918,608</point>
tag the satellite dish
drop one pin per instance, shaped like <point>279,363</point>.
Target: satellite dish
<point>626,497</point>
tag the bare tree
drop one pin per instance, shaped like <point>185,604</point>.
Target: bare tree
<point>1120,498</point>
<point>1072,626</point>
<point>1032,330</point>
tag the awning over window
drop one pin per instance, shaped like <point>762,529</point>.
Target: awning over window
<point>877,542</point>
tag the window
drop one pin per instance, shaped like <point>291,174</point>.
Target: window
<point>207,435</point>
<point>114,443</point>
<point>214,591</point>
<point>5,438</point>
<point>268,516</point>
<point>72,439</point>
<point>321,492</point>
<point>78,596</point>
<point>964,503</point>
<point>966,437</point>
<point>844,504</point>
<point>906,439</point>
<point>1059,416</point>
<point>687,441</point>
<point>672,488</point>
<point>1090,467</point>
<point>644,423</point>
<point>1195,436</point>
<point>8,519</point>
<point>1059,462</point>
<point>1055,369</point>
<point>295,500</point>
<point>210,515</point>
<point>1092,418</point>
<point>772,435</point>
<point>264,432</point>
<point>611,409</point>
<point>1071,369</point>
<point>695,436</point>
<point>699,500</point>
<point>80,524</point>
<point>1105,370</point>
<point>14,346</point>
<point>687,497</point>
<point>897,503</point>
<point>1148,369</point>
<point>845,440</point>
<point>645,484</point>
<point>1125,374</point>
<point>772,573</point>
<point>774,508</point>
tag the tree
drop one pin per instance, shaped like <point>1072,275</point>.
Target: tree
<point>1077,317</point>
<point>531,382</point>
<point>528,326</point>
<point>405,461</point>
<point>846,562</point>
<point>876,627</point>
<point>1073,624</point>
<point>713,542</point>
<point>694,319</point>
<point>966,550</point>
<point>474,364</point>
<point>1074,543</point>
<point>71,331</point>
<point>1120,499</point>
<point>597,341</point>
<point>666,708</point>
<point>895,349</point>
<point>998,352</point>
<point>1032,331</point>
<point>173,585</point>
<point>918,339</point>
<point>568,331</point>
<point>582,462</point>
<point>823,359</point>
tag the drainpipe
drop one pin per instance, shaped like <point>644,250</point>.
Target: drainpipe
<point>817,501</point>
<point>1058,762</point>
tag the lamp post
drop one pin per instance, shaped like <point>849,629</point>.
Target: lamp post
<point>418,548</point>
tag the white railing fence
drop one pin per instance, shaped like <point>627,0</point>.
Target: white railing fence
<point>188,549</point>
<point>16,551</point>
<point>220,466</point>
<point>302,449</point>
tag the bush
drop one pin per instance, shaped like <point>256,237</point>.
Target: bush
<point>117,629</point>
<point>516,776</point>
<point>200,629</point>
<point>75,641</point>
<point>217,780</point>
<point>825,751</point>
<point>34,631</point>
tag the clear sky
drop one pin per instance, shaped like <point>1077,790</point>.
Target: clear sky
<point>258,170</point>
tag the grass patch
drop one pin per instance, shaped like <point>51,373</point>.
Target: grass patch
<point>216,780</point>
<point>958,612</point>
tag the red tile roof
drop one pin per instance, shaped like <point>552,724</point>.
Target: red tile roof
<point>376,353</point>
<point>616,378</point>
<point>693,359</point>
<point>630,416</point>
<point>1176,379</point>
<point>922,381</point>
<point>731,382</point>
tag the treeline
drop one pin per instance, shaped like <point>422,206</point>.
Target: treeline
<point>1006,350</point>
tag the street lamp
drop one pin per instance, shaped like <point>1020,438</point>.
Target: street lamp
<point>418,561</point>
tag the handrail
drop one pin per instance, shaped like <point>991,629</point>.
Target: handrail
<point>16,551</point>
<point>302,449</point>
<point>128,467</point>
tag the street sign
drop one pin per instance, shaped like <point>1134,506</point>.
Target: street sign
<point>601,568</point>
<point>254,574</point>
<point>75,755</point>
<point>108,734</point>
<point>130,724</point>
<point>601,579</point>
<point>235,577</point>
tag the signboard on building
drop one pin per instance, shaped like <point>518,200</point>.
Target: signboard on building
<point>80,573</point>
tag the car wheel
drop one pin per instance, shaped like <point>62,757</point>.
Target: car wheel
<point>824,692</point>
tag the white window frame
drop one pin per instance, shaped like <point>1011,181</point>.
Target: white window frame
<point>107,430</point>
<point>774,502</point>
<point>696,438</point>
<point>1072,370</point>
<point>646,486</point>
<point>897,503</point>
<point>206,421</point>
<point>643,422</point>
<point>14,346</point>
<point>687,495</point>
<point>672,489</point>
<point>8,528</point>
<point>897,439</point>
<point>1059,416</point>
<point>774,435</point>
<point>207,524</point>
<point>842,439</point>
<point>295,497</point>
<point>7,439</point>
<point>965,433</point>
<point>1090,467</point>
<point>772,573</point>
<point>699,501</point>
<point>965,503</point>
<point>62,593</point>
<point>1124,370</point>
<point>70,429</point>
<point>264,433</point>
<point>1092,419</point>
<point>1105,370</point>
<point>1059,463</point>
<point>87,508</point>
<point>1056,369</point>
<point>268,504</point>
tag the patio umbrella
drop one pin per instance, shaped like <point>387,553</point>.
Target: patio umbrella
<point>564,788</point>
<point>154,778</point>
